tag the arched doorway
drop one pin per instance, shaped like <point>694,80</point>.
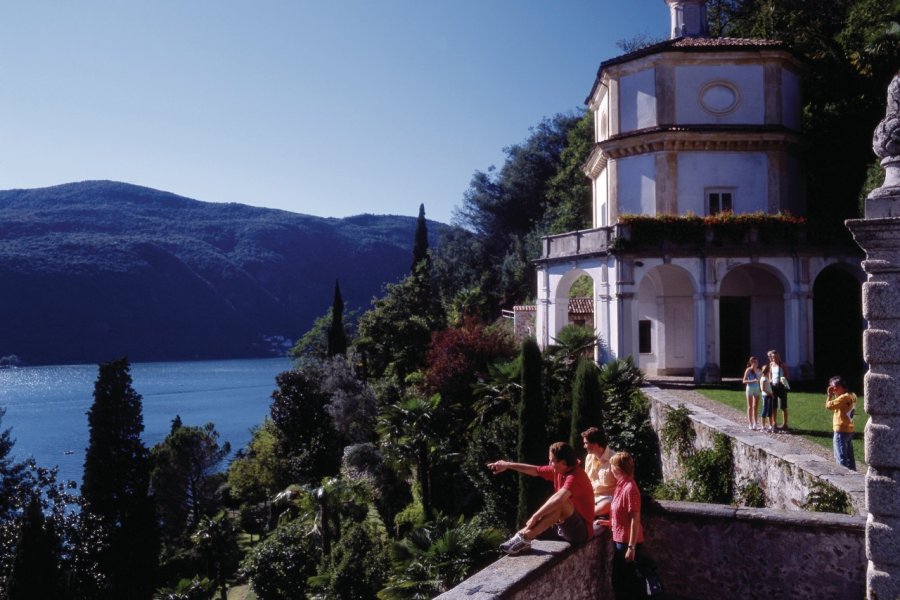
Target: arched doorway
<point>574,301</point>
<point>838,325</point>
<point>751,316</point>
<point>665,322</point>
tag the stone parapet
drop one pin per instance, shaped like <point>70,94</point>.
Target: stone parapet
<point>701,552</point>
<point>710,552</point>
<point>785,474</point>
<point>550,570</point>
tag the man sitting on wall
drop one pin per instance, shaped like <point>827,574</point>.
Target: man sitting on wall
<point>570,508</point>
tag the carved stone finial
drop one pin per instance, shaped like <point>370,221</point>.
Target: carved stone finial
<point>886,142</point>
<point>884,202</point>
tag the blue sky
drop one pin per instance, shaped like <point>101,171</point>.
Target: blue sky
<point>326,107</point>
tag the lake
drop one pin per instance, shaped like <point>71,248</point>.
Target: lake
<point>46,407</point>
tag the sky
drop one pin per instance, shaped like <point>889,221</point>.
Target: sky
<point>327,107</point>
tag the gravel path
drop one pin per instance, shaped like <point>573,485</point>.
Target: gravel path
<point>682,388</point>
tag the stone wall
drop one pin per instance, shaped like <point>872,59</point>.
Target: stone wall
<point>702,552</point>
<point>550,570</point>
<point>784,473</point>
<point>710,552</point>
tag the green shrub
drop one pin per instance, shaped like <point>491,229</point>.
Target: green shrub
<point>359,565</point>
<point>750,494</point>
<point>278,567</point>
<point>824,497</point>
<point>410,517</point>
<point>490,440</point>
<point>677,433</point>
<point>627,419</point>
<point>674,489</point>
<point>710,472</point>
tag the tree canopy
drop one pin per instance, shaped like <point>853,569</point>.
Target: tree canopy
<point>537,191</point>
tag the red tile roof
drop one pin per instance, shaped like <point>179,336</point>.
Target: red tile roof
<point>697,44</point>
<point>577,306</point>
<point>691,44</point>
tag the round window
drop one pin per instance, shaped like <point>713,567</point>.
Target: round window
<point>719,97</point>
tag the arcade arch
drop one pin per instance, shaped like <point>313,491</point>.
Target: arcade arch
<point>838,324</point>
<point>751,316</point>
<point>665,329</point>
<point>579,309</point>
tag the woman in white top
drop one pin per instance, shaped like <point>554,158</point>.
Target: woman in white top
<point>779,375</point>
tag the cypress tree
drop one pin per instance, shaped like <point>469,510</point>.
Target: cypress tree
<point>532,443</point>
<point>116,481</point>
<point>587,408</point>
<point>420,246</point>
<point>35,565</point>
<point>337,337</point>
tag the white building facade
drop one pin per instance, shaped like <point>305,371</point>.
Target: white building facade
<point>695,126</point>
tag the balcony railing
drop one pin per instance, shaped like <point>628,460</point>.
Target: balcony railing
<point>576,243</point>
<point>639,233</point>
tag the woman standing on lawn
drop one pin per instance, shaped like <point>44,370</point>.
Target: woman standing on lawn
<point>752,391</point>
<point>779,375</point>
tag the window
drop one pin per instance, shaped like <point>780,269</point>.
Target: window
<point>644,340</point>
<point>719,200</point>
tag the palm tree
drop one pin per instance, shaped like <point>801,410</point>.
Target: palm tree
<point>499,393</point>
<point>216,539</point>
<point>407,428</point>
<point>438,556</point>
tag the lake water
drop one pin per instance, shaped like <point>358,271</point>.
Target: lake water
<point>46,407</point>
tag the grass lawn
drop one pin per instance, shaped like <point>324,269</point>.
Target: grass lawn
<point>807,415</point>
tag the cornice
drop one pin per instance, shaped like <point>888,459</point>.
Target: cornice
<point>595,162</point>
<point>681,139</point>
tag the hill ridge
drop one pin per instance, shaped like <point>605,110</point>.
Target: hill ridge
<point>97,269</point>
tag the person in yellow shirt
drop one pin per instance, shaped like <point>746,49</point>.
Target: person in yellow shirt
<point>596,465</point>
<point>842,403</point>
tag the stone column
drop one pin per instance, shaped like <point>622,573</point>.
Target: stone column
<point>879,235</point>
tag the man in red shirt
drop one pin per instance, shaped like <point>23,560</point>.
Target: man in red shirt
<point>570,508</point>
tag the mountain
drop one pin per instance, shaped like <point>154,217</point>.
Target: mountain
<point>98,269</point>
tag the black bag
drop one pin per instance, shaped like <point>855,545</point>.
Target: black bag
<point>648,579</point>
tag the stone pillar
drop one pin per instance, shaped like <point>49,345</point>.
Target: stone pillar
<point>879,235</point>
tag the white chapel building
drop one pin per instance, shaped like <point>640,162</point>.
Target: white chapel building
<point>697,126</point>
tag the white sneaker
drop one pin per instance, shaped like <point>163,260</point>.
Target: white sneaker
<point>517,544</point>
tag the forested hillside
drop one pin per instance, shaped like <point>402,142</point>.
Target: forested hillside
<point>99,269</point>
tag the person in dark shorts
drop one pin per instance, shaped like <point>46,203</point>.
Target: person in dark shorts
<point>570,508</point>
<point>778,378</point>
